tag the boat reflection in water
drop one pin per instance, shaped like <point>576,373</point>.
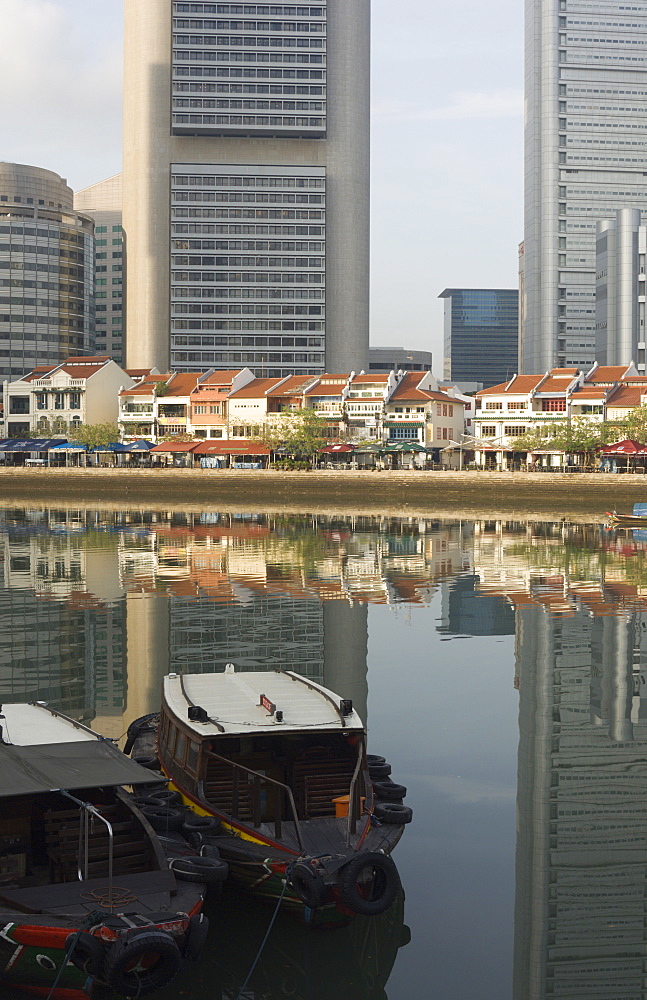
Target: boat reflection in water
<point>296,964</point>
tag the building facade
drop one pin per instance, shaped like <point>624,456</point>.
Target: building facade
<point>102,202</point>
<point>246,185</point>
<point>585,158</point>
<point>480,334</point>
<point>387,359</point>
<point>46,271</point>
<point>621,245</point>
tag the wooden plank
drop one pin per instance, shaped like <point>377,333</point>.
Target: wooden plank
<point>42,898</point>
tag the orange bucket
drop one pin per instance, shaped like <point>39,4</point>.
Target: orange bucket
<point>342,803</point>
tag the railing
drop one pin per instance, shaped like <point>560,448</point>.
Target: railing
<point>258,779</point>
<point>87,810</point>
<point>354,799</point>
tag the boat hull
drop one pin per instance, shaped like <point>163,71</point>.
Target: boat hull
<point>31,956</point>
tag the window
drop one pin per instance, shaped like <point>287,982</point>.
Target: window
<point>41,400</point>
<point>214,408</point>
<point>59,400</point>
<point>439,434</point>
<point>403,433</point>
<point>19,404</point>
<point>490,405</point>
<point>439,409</point>
<point>192,757</point>
<point>553,405</point>
<point>75,400</point>
<point>180,748</point>
<point>516,406</point>
<point>199,409</point>
<point>515,430</point>
<point>488,430</point>
<point>215,433</point>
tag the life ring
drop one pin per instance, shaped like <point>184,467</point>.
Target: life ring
<point>308,884</point>
<point>388,791</point>
<point>379,770</point>
<point>163,819</point>
<point>88,954</point>
<point>195,937</point>
<point>208,870</point>
<point>196,828</point>
<point>393,813</point>
<point>369,883</point>
<point>142,962</point>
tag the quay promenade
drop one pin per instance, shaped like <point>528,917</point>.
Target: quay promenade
<point>402,492</point>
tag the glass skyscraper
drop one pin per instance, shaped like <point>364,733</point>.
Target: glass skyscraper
<point>585,158</point>
<point>481,334</point>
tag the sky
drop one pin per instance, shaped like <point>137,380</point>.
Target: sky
<point>447,119</point>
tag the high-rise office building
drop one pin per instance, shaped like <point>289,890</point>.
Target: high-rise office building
<point>102,202</point>
<point>46,271</point>
<point>585,157</point>
<point>246,185</point>
<point>481,334</point>
<point>621,248</point>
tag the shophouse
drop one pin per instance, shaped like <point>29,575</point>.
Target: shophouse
<point>417,412</point>
<point>208,402</point>
<point>56,398</point>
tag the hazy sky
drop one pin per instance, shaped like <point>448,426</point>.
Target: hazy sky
<point>447,137</point>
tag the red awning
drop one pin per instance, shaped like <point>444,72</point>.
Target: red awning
<point>173,446</point>
<point>332,449</point>
<point>626,447</point>
<point>230,448</point>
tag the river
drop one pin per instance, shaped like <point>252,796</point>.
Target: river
<point>500,667</point>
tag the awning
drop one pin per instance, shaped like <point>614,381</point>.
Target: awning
<point>404,423</point>
<point>28,770</point>
<point>404,446</point>
<point>68,446</point>
<point>626,447</point>
<point>29,444</point>
<point>138,445</point>
<point>334,449</point>
<point>229,448</point>
<point>173,446</point>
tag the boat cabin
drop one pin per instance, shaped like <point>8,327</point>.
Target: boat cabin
<point>260,747</point>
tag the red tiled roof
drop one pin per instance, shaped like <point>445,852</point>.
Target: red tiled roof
<point>520,384</point>
<point>182,383</point>
<point>99,359</point>
<point>563,371</point>
<point>590,392</point>
<point>377,378</point>
<point>556,383</point>
<point>626,395</point>
<point>221,378</point>
<point>334,389</point>
<point>294,385</point>
<point>607,373</point>
<point>137,372</point>
<point>146,387</point>
<point>256,389</point>
<point>80,371</point>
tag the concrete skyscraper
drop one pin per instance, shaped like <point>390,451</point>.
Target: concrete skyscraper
<point>585,158</point>
<point>246,185</point>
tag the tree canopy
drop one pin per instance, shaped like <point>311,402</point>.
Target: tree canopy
<point>301,433</point>
<point>578,436</point>
<point>94,435</point>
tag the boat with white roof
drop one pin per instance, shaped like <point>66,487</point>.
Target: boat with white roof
<point>89,894</point>
<point>306,814</point>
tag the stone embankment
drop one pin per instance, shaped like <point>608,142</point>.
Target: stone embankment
<point>552,495</point>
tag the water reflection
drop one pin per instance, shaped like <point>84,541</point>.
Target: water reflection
<point>97,605</point>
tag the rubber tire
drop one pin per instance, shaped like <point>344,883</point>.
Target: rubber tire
<point>350,873</point>
<point>163,819</point>
<point>379,771</point>
<point>209,851</point>
<point>89,953</point>
<point>388,791</point>
<point>168,798</point>
<point>308,885</point>
<point>143,724</point>
<point>374,758</point>
<point>207,870</point>
<point>199,827</point>
<point>196,937</point>
<point>392,813</point>
<point>135,945</point>
<point>149,762</point>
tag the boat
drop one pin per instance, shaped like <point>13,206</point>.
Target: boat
<point>637,517</point>
<point>307,816</point>
<point>90,895</point>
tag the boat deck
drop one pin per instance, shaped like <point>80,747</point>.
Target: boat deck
<point>147,892</point>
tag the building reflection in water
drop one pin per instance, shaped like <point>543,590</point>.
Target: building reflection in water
<point>98,605</point>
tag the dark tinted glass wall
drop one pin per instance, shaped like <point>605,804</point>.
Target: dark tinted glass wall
<point>481,334</point>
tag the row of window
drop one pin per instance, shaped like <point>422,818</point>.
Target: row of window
<point>193,292</point>
<point>180,56</point>
<point>248,88</point>
<point>275,277</point>
<point>249,198</point>
<point>316,26</point>
<point>256,261</point>
<point>228,104</point>
<point>256,73</point>
<point>210,324</point>
<point>275,40</point>
<point>180,308</point>
<point>312,214</point>
<point>193,341</point>
<point>275,10</point>
<point>238,230</point>
<point>262,245</point>
<point>194,357</point>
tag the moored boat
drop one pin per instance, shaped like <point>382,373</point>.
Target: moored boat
<point>306,814</point>
<point>89,896</point>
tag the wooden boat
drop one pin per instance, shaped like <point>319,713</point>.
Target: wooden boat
<point>637,517</point>
<point>281,762</point>
<point>88,894</point>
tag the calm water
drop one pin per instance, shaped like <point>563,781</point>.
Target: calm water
<point>500,667</point>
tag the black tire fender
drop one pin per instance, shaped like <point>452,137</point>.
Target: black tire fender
<point>195,937</point>
<point>375,758</point>
<point>308,885</point>
<point>379,771</point>
<point>200,869</point>
<point>149,762</point>
<point>163,818</point>
<point>195,828</point>
<point>389,791</point>
<point>89,953</point>
<point>373,894</point>
<point>121,967</point>
<point>393,813</point>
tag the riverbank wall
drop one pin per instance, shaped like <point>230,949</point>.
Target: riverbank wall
<point>552,495</point>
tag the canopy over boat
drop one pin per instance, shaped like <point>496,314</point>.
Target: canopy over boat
<point>256,702</point>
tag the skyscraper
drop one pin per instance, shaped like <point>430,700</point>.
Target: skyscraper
<point>481,334</point>
<point>102,202</point>
<point>585,157</point>
<point>246,185</point>
<point>46,271</point>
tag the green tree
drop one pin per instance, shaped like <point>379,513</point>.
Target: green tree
<point>52,428</point>
<point>94,435</point>
<point>635,426</point>
<point>302,433</point>
<point>578,436</point>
